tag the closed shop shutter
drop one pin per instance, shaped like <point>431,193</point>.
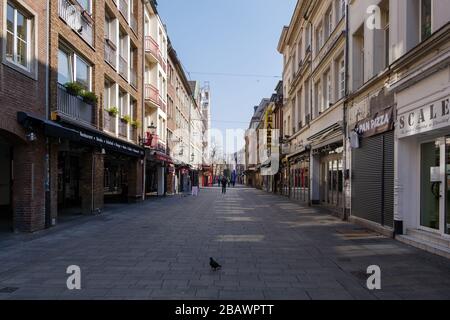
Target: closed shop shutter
<point>373,179</point>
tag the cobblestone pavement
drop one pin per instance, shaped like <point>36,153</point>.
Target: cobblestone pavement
<point>270,248</point>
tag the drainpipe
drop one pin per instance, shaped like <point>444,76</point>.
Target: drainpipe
<point>47,207</point>
<point>344,120</point>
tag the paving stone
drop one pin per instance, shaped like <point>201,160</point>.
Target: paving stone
<point>269,247</point>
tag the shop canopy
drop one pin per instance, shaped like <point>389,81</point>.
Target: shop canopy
<point>91,137</point>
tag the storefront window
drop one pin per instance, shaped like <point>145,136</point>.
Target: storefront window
<point>430,187</point>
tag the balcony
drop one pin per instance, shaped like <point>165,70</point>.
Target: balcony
<point>152,48</point>
<point>109,122</point>
<point>123,8</point>
<point>77,18</point>
<point>162,104</point>
<point>152,95</point>
<point>123,129</point>
<point>74,107</point>
<point>110,53</point>
<point>123,67</point>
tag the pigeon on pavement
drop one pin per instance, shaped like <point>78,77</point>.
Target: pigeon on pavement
<point>214,265</point>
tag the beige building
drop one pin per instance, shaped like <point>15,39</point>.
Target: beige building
<point>155,98</point>
<point>313,48</point>
<point>366,129</point>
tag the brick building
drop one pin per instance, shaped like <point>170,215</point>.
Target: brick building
<point>95,102</point>
<point>23,75</point>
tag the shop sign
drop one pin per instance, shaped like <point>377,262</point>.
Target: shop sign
<point>378,123</point>
<point>107,143</point>
<point>433,116</point>
<point>269,128</point>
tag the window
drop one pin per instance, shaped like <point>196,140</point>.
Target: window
<point>123,103</point>
<point>341,78</point>
<point>86,4</point>
<point>340,9</point>
<point>319,38</point>
<point>64,67</point>
<point>83,73</point>
<point>308,38</point>
<point>329,22</point>
<point>327,90</point>
<point>358,72</point>
<point>72,68</point>
<point>110,29</point>
<point>18,37</point>
<point>319,99</point>
<point>425,19</point>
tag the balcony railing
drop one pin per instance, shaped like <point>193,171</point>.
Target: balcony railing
<point>152,94</point>
<point>123,67</point>
<point>152,47</point>
<point>162,104</point>
<point>123,129</point>
<point>110,53</point>
<point>74,107</point>
<point>109,122</point>
<point>123,8</point>
<point>78,19</point>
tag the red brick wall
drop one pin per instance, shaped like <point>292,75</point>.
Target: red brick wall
<point>23,92</point>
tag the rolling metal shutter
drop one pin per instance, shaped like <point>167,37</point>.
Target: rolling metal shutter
<point>373,179</point>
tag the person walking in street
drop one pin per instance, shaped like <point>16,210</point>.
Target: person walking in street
<point>224,185</point>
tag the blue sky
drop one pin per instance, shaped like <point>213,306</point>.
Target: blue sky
<point>233,37</point>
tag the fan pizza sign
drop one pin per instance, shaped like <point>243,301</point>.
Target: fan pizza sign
<point>380,122</point>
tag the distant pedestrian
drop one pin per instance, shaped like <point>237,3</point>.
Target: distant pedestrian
<point>224,185</point>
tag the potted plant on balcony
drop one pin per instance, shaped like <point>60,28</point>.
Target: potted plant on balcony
<point>135,124</point>
<point>74,88</point>
<point>89,97</point>
<point>126,119</point>
<point>112,111</point>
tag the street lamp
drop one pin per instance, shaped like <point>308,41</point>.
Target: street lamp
<point>147,141</point>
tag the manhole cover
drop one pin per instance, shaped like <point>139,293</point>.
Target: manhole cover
<point>8,290</point>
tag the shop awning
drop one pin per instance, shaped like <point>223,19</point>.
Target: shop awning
<point>50,128</point>
<point>158,156</point>
<point>323,134</point>
<point>91,137</point>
